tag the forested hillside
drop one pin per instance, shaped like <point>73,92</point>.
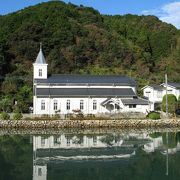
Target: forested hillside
<point>77,39</point>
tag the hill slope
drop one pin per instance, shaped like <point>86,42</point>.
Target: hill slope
<point>80,40</point>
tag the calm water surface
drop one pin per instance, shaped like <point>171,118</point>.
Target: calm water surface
<point>91,156</point>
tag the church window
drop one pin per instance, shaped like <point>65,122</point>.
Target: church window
<point>40,72</point>
<point>39,172</point>
<point>94,104</point>
<point>42,141</point>
<point>95,140</point>
<point>42,105</point>
<point>68,105</point>
<point>81,104</point>
<point>68,141</point>
<point>55,105</point>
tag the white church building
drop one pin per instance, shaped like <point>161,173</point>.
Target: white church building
<point>88,94</point>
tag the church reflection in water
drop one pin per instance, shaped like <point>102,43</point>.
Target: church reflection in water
<point>101,147</point>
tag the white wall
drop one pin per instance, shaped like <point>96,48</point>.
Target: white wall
<point>153,94</point>
<point>62,141</point>
<point>83,86</point>
<point>65,142</point>
<point>88,106</point>
<point>36,71</point>
<point>139,108</point>
<point>153,145</point>
<point>74,105</point>
<point>39,172</point>
<point>174,91</point>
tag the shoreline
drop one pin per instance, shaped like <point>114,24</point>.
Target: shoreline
<point>88,124</point>
<point>77,131</point>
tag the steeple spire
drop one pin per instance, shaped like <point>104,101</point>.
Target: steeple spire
<point>40,46</point>
<point>40,65</point>
<point>40,58</point>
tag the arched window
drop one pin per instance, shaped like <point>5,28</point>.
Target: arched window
<point>68,105</point>
<point>55,104</point>
<point>81,104</point>
<point>94,104</point>
<point>43,105</point>
<point>40,72</point>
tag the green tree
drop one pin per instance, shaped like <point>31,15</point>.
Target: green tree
<point>24,98</point>
<point>171,139</point>
<point>6,104</point>
<point>9,86</point>
<point>172,103</point>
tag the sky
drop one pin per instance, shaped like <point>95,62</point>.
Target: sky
<point>167,10</point>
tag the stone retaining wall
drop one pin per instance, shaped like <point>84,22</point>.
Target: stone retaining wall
<point>85,124</point>
<point>89,131</point>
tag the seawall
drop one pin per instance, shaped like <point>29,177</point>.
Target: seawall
<point>86,124</point>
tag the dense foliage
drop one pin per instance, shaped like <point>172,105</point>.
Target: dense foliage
<point>4,116</point>
<point>154,115</point>
<point>77,39</point>
<point>172,103</point>
<point>17,116</point>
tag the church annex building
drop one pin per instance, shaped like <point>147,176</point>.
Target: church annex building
<point>88,94</point>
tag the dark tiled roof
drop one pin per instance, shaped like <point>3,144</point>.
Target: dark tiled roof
<point>157,87</point>
<point>87,79</point>
<point>64,153</point>
<point>84,92</point>
<point>176,85</point>
<point>137,101</point>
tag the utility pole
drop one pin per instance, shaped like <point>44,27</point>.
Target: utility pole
<point>167,156</point>
<point>166,96</point>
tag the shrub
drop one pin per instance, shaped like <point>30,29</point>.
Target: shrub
<point>17,116</point>
<point>172,103</point>
<point>69,116</point>
<point>155,135</point>
<point>154,115</point>
<point>45,116</point>
<point>28,118</point>
<point>80,116</point>
<point>5,116</point>
<point>57,116</point>
<point>16,110</point>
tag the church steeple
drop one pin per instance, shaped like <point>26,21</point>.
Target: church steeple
<point>40,58</point>
<point>40,66</point>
